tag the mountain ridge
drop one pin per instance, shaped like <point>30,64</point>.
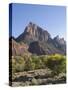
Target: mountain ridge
<point>40,42</point>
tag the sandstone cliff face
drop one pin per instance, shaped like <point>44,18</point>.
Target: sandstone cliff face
<point>34,33</point>
<point>18,48</point>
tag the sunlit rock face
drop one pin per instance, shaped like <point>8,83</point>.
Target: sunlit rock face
<point>40,41</point>
<point>34,33</point>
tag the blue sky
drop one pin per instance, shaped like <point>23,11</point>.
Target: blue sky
<point>50,18</point>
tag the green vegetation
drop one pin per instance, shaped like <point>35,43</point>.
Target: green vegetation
<point>56,63</point>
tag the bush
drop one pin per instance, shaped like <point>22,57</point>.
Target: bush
<point>44,60</point>
<point>13,65</point>
<point>18,64</point>
<point>57,63</point>
<point>39,61</point>
<point>29,65</point>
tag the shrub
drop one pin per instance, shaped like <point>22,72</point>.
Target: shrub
<point>39,61</point>
<point>44,60</point>
<point>18,64</point>
<point>56,63</point>
<point>13,65</point>
<point>29,65</point>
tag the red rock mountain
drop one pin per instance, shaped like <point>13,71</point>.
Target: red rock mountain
<point>38,41</point>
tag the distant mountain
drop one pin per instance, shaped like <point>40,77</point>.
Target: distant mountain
<point>38,41</point>
<point>60,43</point>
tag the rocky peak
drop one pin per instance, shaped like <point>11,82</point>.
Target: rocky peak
<point>33,32</point>
<point>62,41</point>
<point>59,40</point>
<point>31,28</point>
<point>56,38</point>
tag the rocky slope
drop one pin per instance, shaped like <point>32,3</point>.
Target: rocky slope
<point>38,77</point>
<point>17,48</point>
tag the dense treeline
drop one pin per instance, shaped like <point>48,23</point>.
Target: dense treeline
<point>56,63</point>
